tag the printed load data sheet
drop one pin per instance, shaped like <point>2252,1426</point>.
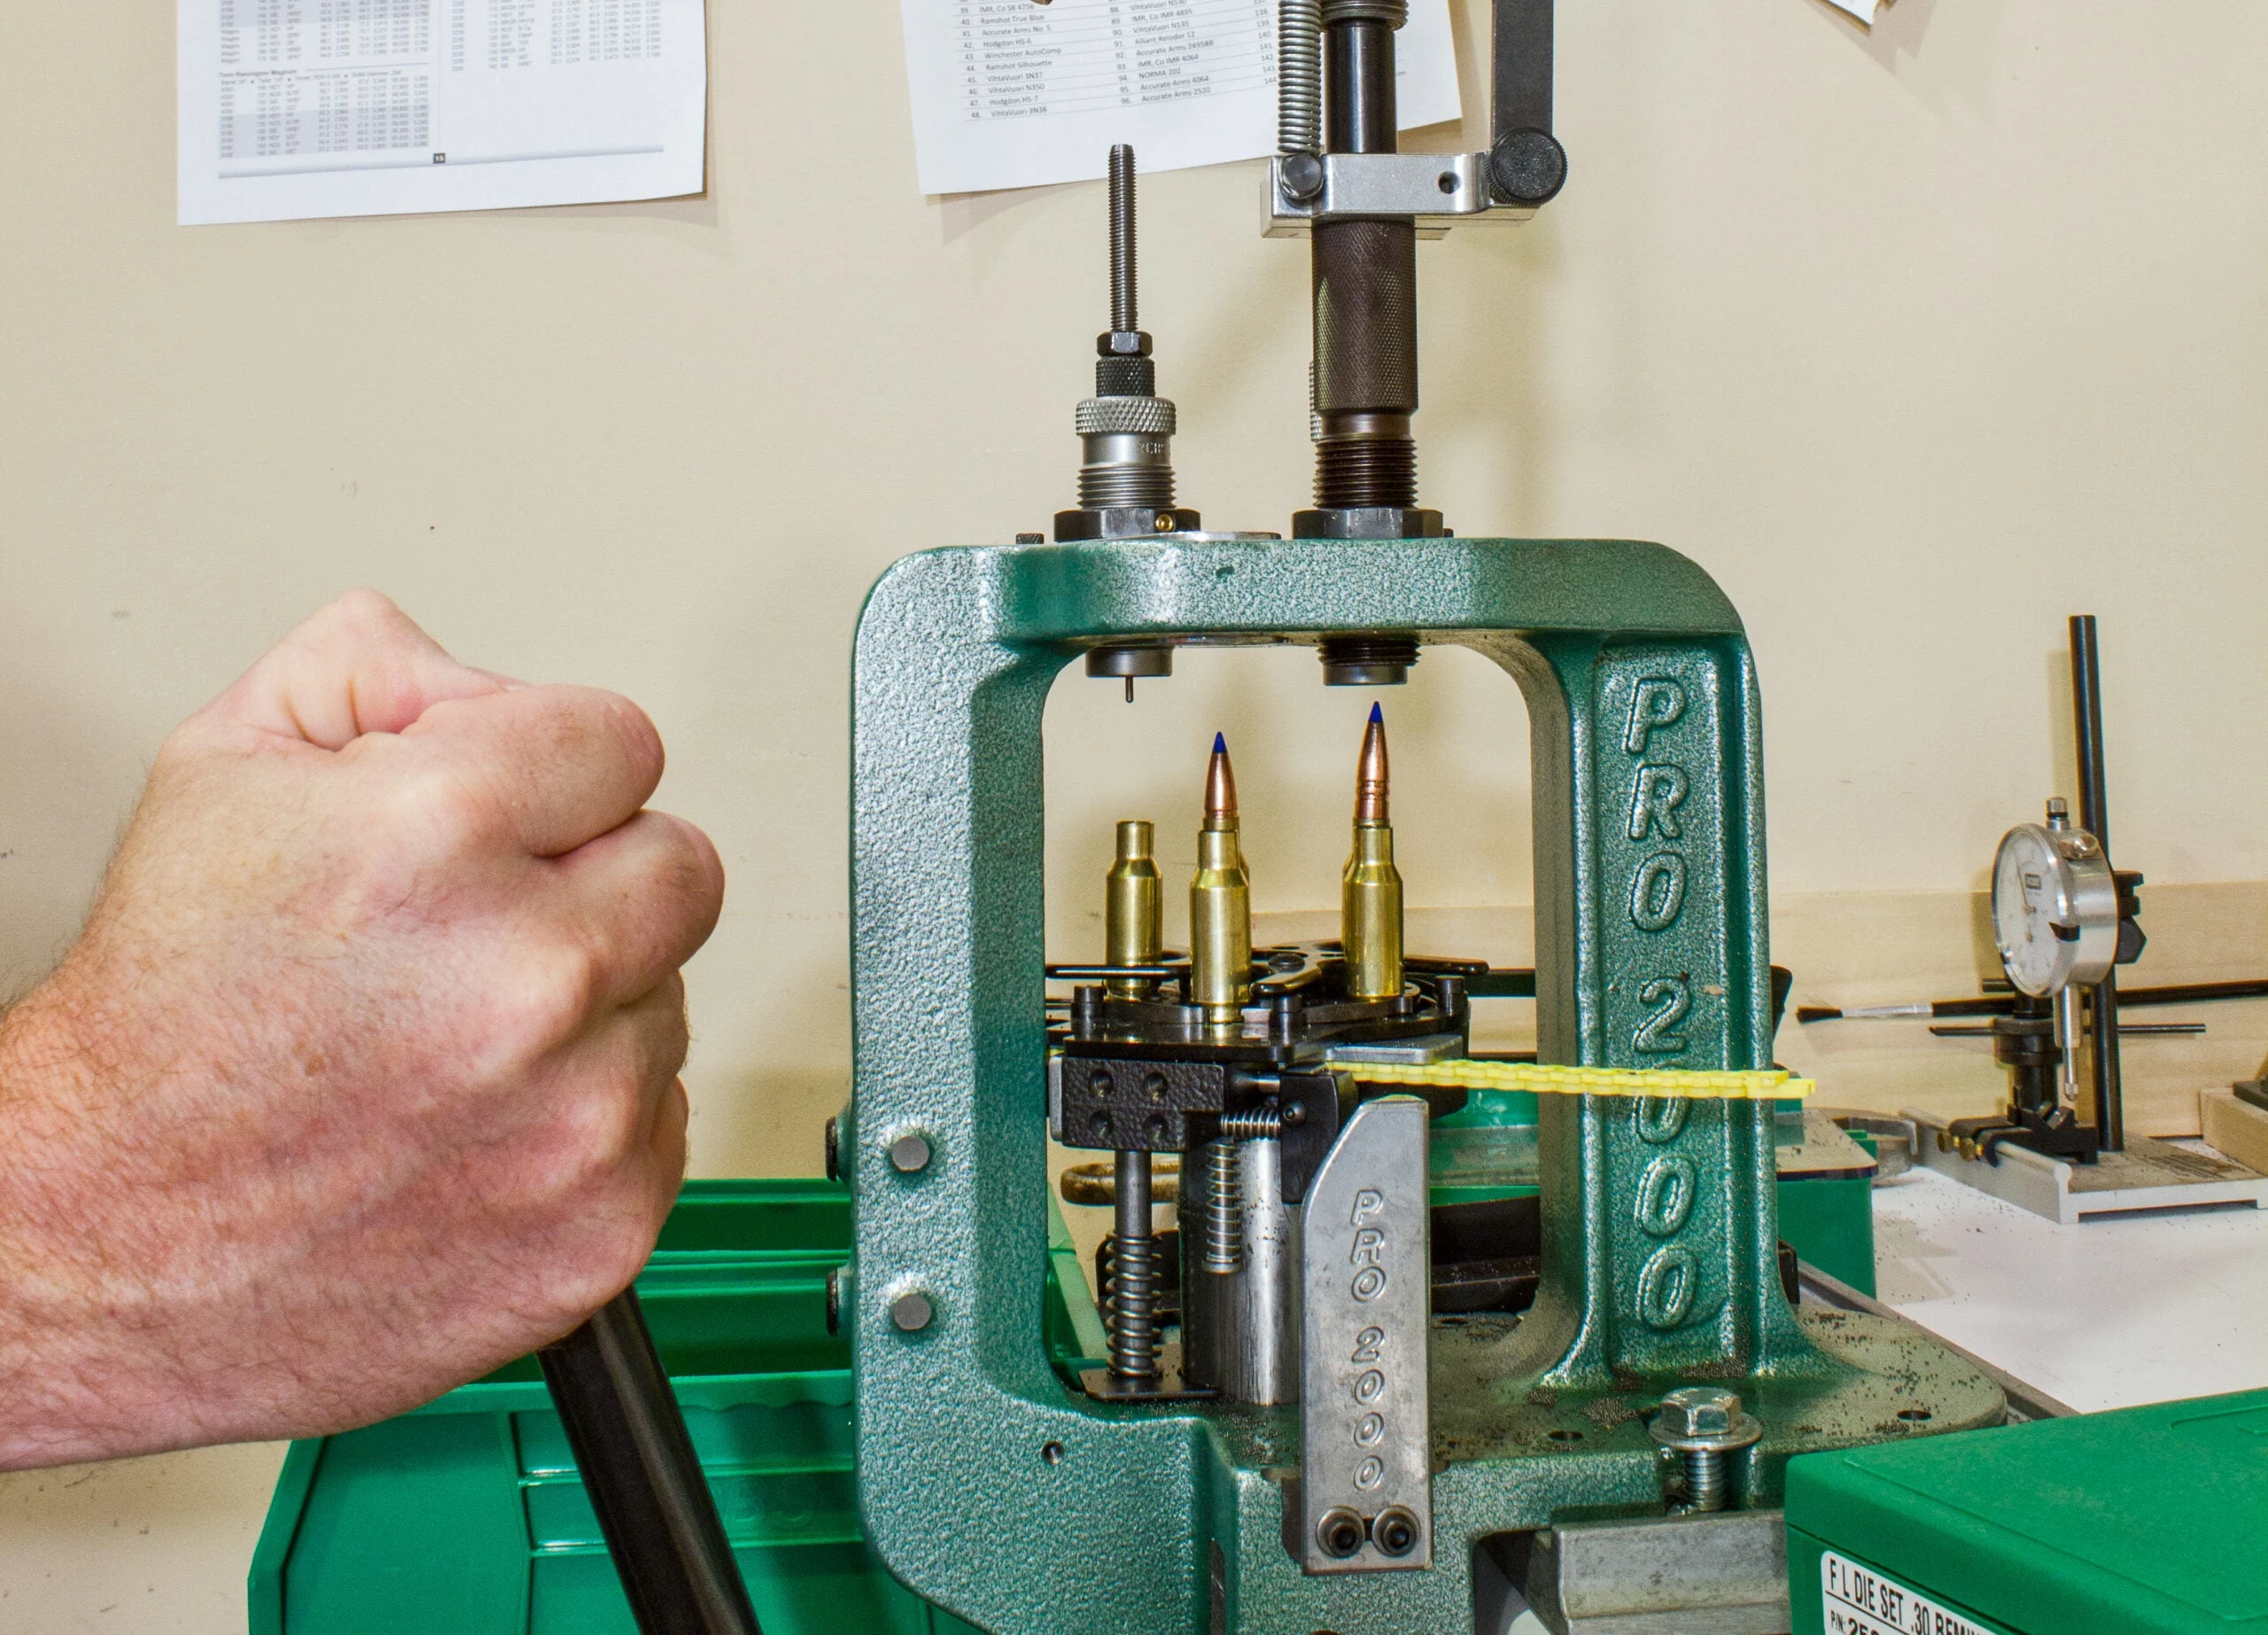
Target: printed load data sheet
<point>1019,93</point>
<point>300,108</point>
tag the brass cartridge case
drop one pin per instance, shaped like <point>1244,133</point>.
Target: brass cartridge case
<point>1133,908</point>
<point>1370,897</point>
<point>1220,902</point>
<point>1370,915</point>
<point>1220,927</point>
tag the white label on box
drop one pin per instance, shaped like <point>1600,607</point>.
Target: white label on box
<point>1859,1601</point>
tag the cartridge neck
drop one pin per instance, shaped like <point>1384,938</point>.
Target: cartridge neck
<point>1219,851</point>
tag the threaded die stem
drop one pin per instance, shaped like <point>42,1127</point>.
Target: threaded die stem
<point>1102,485</point>
<point>1353,472</point>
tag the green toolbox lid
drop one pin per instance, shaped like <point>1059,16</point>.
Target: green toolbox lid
<point>2146,1520</point>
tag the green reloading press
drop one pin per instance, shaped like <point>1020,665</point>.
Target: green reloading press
<point>1320,1449</point>
<point>1023,1499</point>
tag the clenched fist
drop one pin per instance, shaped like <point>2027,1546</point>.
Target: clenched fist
<point>362,1078</point>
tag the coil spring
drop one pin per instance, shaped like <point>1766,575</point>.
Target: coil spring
<point>1131,1302</point>
<point>1299,76</point>
<point>1224,1251</point>
<point>1255,1124</point>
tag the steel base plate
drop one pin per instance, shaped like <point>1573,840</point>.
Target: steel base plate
<point>2148,1175</point>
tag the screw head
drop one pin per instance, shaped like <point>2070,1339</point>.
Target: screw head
<point>1339,1533</point>
<point>1302,174</point>
<point>911,1312</point>
<point>1527,166</point>
<point>909,1155</point>
<point>1703,1417</point>
<point>1396,1531</point>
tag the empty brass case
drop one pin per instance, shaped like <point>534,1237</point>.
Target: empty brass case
<point>1133,908</point>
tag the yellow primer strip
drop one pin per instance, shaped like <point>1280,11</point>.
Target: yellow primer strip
<point>1762,1085</point>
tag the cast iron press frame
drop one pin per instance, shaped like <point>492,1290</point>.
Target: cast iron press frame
<point>994,1488</point>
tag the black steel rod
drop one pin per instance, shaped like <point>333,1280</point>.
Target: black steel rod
<point>2094,817</point>
<point>644,1479</point>
<point>1359,93</point>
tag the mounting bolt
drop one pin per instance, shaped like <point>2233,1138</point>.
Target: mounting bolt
<point>1340,1533</point>
<point>1394,1530</point>
<point>834,1149</point>
<point>911,1312</point>
<point>835,1301</point>
<point>1703,1423</point>
<point>1302,175</point>
<point>909,1155</point>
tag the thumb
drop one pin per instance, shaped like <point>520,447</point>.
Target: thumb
<point>358,666</point>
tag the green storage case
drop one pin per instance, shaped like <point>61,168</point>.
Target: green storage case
<point>2143,1522</point>
<point>466,1517</point>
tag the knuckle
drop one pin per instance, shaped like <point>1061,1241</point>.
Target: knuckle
<point>623,728</point>
<point>547,993</point>
<point>440,810</point>
<point>362,610</point>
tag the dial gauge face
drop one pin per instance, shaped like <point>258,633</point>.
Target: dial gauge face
<point>2054,909</point>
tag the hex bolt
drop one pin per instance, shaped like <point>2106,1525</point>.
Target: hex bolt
<point>909,1154</point>
<point>911,1312</point>
<point>1703,1423</point>
<point>1396,1531</point>
<point>1339,1533</point>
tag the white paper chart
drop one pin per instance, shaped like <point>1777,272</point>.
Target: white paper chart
<point>297,108</point>
<point>1019,93</point>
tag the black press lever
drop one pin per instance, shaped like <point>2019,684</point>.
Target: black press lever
<point>1526,165</point>
<point>638,1465</point>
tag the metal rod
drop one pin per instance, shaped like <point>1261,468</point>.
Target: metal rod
<point>644,1479</point>
<point>1358,69</point>
<point>1123,294</point>
<point>1998,1005</point>
<point>2094,817</point>
<point>2127,1030</point>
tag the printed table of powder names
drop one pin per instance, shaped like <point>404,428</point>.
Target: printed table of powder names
<point>1020,59</point>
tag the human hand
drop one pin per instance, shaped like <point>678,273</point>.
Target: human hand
<point>362,1078</point>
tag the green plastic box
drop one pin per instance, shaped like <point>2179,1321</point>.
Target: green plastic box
<point>466,1518</point>
<point>2143,1522</point>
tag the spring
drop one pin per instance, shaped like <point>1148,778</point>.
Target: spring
<point>1116,483</point>
<point>1223,1209</point>
<point>1366,470</point>
<point>1257,1124</point>
<point>1705,1479</point>
<point>1299,76</point>
<point>1130,1298</point>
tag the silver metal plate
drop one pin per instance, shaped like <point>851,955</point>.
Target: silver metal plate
<point>1705,1575</point>
<point>2148,1175</point>
<point>1365,1422</point>
<point>1436,190</point>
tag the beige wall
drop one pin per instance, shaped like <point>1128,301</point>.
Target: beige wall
<point>1918,342</point>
